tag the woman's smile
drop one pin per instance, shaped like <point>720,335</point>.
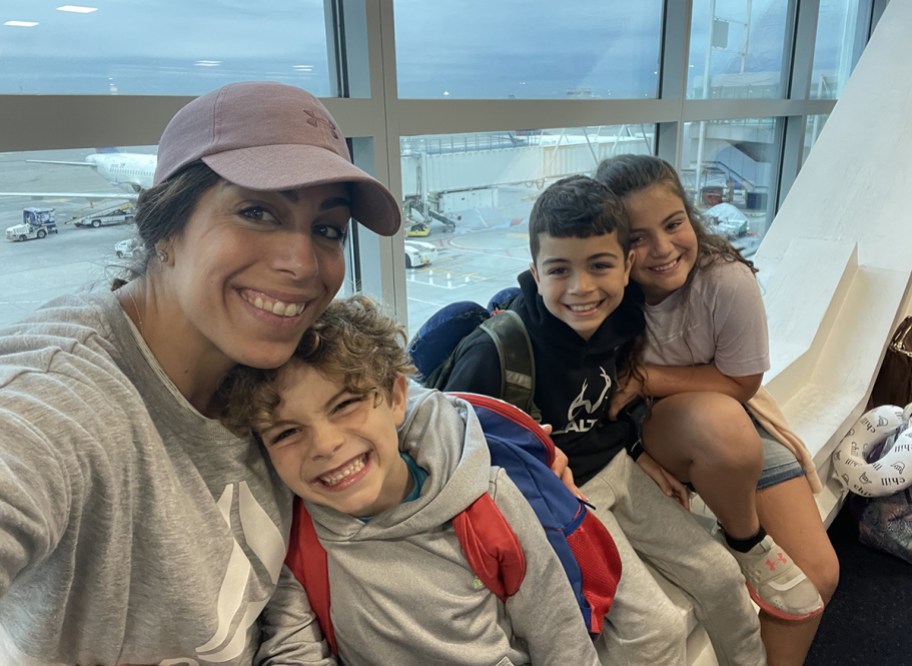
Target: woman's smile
<point>274,306</point>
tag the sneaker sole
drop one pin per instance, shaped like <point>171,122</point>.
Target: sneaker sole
<point>778,612</point>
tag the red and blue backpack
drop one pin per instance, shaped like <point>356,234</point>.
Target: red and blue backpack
<point>521,447</point>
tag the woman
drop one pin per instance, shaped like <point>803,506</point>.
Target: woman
<point>133,527</point>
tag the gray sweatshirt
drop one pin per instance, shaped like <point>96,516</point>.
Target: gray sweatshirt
<point>402,590</point>
<point>132,528</point>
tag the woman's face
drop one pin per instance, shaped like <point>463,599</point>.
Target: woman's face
<point>252,270</point>
<point>662,239</point>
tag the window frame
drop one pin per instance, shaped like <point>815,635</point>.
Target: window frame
<point>361,40</point>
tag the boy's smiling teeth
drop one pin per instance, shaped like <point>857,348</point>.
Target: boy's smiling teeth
<point>339,475</point>
<point>276,307</point>
<point>583,308</point>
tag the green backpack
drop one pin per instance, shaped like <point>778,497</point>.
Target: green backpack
<point>439,341</point>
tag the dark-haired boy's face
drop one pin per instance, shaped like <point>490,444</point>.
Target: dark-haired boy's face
<point>582,280</point>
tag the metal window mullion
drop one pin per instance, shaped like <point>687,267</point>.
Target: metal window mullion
<point>355,35</point>
<point>804,37</point>
<point>803,20</point>
<point>673,72</point>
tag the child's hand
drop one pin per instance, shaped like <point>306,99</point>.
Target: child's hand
<point>629,389</point>
<point>665,480</point>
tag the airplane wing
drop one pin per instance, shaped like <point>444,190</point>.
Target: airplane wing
<point>87,164</point>
<point>89,196</point>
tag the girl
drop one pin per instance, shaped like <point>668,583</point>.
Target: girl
<point>705,354</point>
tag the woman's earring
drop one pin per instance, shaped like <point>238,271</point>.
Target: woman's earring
<point>162,256</point>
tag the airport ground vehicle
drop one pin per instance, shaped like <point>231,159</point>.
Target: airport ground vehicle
<point>418,229</point>
<point>122,214</point>
<point>419,253</point>
<point>728,220</point>
<point>36,223</point>
<point>125,248</point>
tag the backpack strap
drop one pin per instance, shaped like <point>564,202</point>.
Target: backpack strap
<point>517,363</point>
<point>600,567</point>
<point>491,547</point>
<point>308,561</point>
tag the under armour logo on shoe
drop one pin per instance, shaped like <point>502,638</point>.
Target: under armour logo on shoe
<point>780,559</point>
<point>317,120</point>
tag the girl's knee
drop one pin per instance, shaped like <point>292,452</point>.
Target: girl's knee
<point>730,457</point>
<point>734,442</point>
<point>712,428</point>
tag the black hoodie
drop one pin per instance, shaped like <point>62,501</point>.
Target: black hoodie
<point>574,378</point>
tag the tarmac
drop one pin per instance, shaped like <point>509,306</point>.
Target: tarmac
<point>485,252</point>
<point>36,270</point>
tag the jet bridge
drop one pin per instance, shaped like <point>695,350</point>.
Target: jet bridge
<point>439,170</point>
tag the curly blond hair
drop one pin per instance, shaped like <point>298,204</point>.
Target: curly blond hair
<point>353,341</point>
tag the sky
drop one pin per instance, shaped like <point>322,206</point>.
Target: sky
<point>459,49</point>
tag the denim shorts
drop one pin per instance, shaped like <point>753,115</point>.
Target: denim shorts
<point>779,464</point>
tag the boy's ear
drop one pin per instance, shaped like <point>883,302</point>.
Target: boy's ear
<point>398,398</point>
<point>534,273</point>
<point>631,257</point>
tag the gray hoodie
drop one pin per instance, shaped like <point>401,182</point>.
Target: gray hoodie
<point>132,528</point>
<point>402,590</point>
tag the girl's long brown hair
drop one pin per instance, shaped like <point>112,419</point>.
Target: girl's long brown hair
<point>626,174</point>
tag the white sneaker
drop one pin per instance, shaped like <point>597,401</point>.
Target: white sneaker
<point>776,583</point>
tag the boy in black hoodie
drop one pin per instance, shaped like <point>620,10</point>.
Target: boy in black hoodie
<point>583,320</point>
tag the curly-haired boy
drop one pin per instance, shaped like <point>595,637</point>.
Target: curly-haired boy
<point>383,470</point>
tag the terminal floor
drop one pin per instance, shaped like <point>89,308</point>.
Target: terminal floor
<point>867,621</point>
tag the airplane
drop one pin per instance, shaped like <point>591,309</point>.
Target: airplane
<point>131,171</point>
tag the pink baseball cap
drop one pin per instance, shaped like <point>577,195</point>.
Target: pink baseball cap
<point>271,136</point>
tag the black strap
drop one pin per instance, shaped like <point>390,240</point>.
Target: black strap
<point>517,363</point>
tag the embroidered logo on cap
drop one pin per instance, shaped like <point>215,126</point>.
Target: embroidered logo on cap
<point>318,119</point>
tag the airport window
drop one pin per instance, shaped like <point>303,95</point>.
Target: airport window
<point>62,241</point>
<point>813,126</point>
<point>835,46</point>
<point>737,49</point>
<point>576,49</point>
<point>728,170</point>
<point>466,199</point>
<point>162,48</point>
<point>593,66</point>
<point>67,222</point>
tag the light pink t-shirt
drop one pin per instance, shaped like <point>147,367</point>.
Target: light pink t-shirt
<point>718,319</point>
